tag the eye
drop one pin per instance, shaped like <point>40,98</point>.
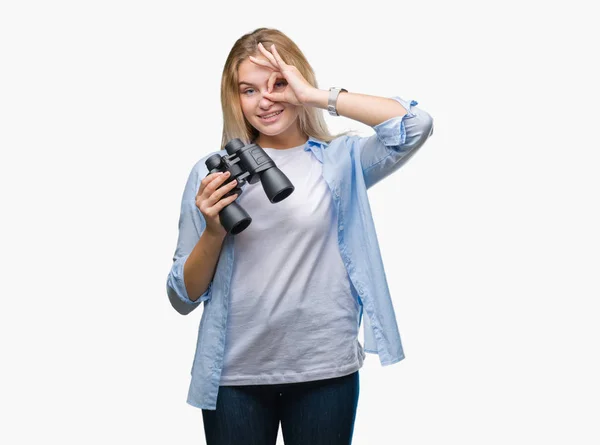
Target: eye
<point>249,89</point>
<point>281,82</point>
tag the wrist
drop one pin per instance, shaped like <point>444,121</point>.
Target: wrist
<point>317,98</point>
<point>216,236</point>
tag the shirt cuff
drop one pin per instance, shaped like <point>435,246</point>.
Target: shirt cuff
<point>176,284</point>
<point>393,132</point>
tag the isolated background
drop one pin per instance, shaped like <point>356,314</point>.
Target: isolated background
<point>489,234</point>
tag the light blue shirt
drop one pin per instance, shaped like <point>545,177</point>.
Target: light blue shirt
<point>351,165</point>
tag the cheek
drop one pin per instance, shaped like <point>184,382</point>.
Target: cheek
<point>246,107</point>
<point>292,113</point>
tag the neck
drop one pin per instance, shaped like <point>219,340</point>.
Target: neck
<point>281,141</point>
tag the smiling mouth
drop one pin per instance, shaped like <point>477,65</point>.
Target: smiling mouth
<point>266,116</point>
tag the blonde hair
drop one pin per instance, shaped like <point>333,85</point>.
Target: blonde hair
<point>235,124</point>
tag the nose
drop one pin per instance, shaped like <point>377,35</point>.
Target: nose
<point>265,103</point>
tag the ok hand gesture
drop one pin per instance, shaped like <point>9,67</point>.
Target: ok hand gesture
<point>297,91</point>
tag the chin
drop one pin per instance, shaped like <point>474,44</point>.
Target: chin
<point>273,130</point>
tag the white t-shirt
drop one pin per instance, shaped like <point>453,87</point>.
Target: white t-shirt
<point>292,316</point>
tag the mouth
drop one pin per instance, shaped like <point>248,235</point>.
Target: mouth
<point>270,116</point>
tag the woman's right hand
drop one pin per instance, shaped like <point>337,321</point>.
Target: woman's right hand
<point>209,202</point>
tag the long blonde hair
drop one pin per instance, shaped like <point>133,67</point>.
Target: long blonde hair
<point>235,125</point>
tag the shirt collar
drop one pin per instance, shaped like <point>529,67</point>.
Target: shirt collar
<point>316,146</point>
<point>314,141</point>
<point>311,143</point>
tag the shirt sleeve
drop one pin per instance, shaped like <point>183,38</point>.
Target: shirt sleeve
<point>395,141</point>
<point>191,226</point>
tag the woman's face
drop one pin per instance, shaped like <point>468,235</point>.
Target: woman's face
<point>252,84</point>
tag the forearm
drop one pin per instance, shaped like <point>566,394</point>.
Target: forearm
<point>199,268</point>
<point>370,110</point>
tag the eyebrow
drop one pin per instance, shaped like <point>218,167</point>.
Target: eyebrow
<point>248,83</point>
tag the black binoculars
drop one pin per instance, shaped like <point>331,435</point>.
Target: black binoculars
<point>247,163</point>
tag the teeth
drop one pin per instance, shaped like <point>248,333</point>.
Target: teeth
<point>269,115</point>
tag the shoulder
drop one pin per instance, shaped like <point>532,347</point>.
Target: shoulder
<point>343,146</point>
<point>346,139</point>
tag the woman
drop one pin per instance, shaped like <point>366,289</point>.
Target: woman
<point>284,299</point>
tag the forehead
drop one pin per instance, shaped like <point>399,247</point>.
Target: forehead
<point>251,72</point>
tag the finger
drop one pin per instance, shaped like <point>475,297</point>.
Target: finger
<point>278,58</point>
<point>209,177</point>
<point>225,202</point>
<point>220,192</point>
<point>272,80</point>
<point>275,97</point>
<point>215,183</point>
<point>207,180</point>
<point>214,210</point>
<point>267,54</point>
<point>260,62</point>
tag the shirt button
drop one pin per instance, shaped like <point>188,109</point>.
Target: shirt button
<point>341,227</point>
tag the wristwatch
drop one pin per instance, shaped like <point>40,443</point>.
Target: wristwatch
<point>334,92</point>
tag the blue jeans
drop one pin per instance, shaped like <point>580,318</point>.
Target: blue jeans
<point>318,412</point>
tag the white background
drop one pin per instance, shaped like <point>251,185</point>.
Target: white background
<point>489,234</point>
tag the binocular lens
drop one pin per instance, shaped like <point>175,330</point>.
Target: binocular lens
<point>276,184</point>
<point>234,218</point>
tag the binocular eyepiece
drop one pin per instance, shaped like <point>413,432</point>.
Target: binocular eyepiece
<point>247,163</point>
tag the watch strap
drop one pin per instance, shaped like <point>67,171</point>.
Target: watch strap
<point>334,92</point>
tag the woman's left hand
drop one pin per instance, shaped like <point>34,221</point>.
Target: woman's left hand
<point>297,91</point>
